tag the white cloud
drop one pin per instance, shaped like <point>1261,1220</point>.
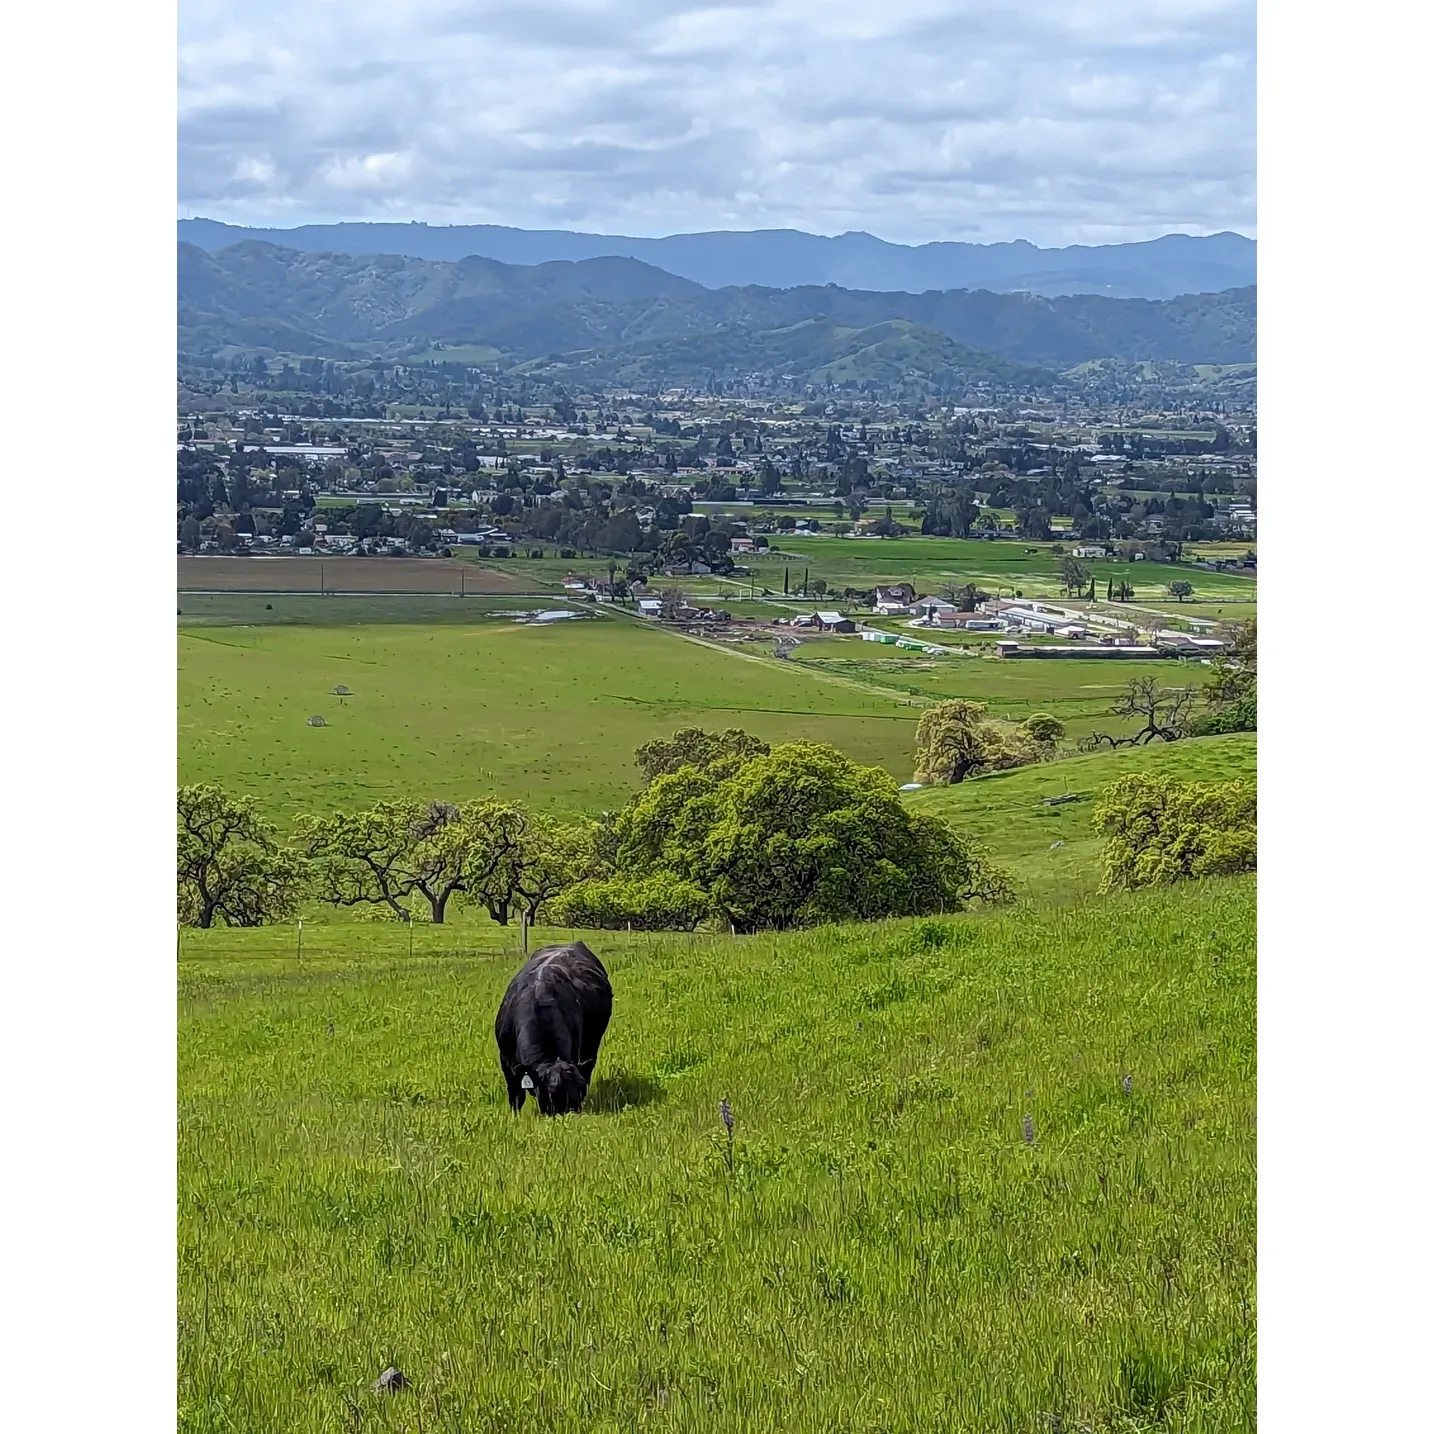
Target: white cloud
<point>1059,121</point>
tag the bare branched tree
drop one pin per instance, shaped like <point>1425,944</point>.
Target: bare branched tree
<point>1164,712</point>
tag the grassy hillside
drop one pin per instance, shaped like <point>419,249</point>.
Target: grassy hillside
<point>882,1247</point>
<point>1053,852</point>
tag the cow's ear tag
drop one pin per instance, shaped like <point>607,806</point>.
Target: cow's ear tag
<point>527,1082</point>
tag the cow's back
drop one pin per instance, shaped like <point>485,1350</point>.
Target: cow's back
<point>557,993</point>
<point>572,971</point>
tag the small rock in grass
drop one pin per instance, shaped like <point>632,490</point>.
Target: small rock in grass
<point>1055,844</point>
<point>390,1381</point>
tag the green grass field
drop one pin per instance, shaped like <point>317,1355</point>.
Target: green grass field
<point>545,714</point>
<point>1078,691</point>
<point>453,698</point>
<point>311,610</point>
<point>881,1249</point>
<point>929,562</point>
<point>1053,852</point>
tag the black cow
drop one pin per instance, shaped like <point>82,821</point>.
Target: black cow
<point>550,1025</point>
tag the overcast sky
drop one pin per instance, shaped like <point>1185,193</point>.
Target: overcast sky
<point>1058,121</point>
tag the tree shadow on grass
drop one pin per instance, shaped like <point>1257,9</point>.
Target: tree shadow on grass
<point>619,1089</point>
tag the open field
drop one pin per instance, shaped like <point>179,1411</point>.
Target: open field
<point>1229,609</point>
<point>1004,809</point>
<point>546,714</point>
<point>463,700</point>
<point>250,609</point>
<point>929,562</point>
<point>313,575</point>
<point>883,1251</point>
<point>1078,691</point>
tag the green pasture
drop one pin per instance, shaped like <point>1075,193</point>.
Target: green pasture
<point>1229,609</point>
<point>930,562</point>
<point>547,714</point>
<point>944,1206</point>
<point>1053,851</point>
<point>927,563</point>
<point>311,610</point>
<point>1079,691</point>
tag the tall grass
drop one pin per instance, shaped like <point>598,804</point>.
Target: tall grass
<point>985,1173</point>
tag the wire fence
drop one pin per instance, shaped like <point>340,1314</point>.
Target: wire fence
<point>286,945</point>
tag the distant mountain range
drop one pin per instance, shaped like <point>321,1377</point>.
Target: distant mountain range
<point>788,258</point>
<point>624,320</point>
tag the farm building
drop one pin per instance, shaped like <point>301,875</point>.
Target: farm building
<point>1099,649</point>
<point>835,622</point>
<point>963,621</point>
<point>649,607</point>
<point>894,599</point>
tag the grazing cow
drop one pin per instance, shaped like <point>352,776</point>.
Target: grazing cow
<point>550,1025</point>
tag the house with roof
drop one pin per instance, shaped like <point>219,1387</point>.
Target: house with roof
<point>894,599</point>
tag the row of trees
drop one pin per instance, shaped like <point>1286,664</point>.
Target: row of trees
<point>409,858</point>
<point>726,830</point>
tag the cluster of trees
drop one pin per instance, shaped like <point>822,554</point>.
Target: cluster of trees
<point>1230,692</point>
<point>956,740</point>
<point>409,858</point>
<point>1158,830</point>
<point>951,515</point>
<point>726,830</point>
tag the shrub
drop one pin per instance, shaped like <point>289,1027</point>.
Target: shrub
<point>1160,831</point>
<point>1239,716</point>
<point>1043,730</point>
<point>661,901</point>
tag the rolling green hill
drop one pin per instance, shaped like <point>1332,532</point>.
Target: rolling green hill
<point>1053,851</point>
<point>598,308</point>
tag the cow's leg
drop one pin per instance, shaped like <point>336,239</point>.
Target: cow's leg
<point>516,1094</point>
